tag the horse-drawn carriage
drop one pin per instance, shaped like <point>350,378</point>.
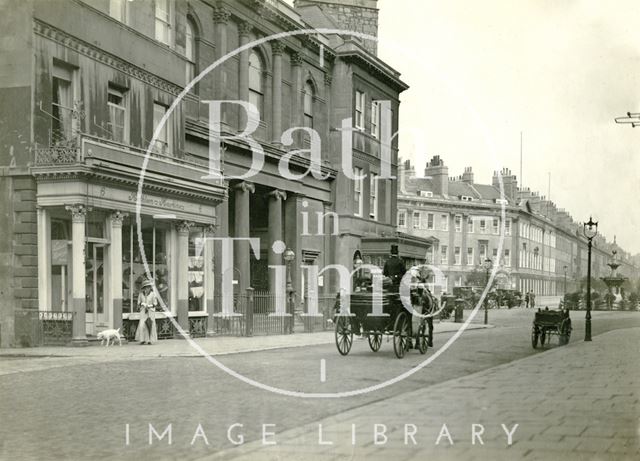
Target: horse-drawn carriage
<point>408,330</point>
<point>551,322</point>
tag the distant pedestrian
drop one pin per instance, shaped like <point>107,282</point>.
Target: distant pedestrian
<point>533,300</point>
<point>526,300</point>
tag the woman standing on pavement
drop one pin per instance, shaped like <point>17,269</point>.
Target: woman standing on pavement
<point>147,302</point>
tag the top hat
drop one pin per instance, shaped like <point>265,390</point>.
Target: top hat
<point>394,249</point>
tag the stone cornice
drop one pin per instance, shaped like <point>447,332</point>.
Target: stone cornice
<point>86,49</point>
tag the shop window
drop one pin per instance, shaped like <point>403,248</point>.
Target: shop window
<point>196,269</point>
<point>156,244</point>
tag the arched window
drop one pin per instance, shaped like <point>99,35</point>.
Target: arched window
<point>190,49</point>
<point>256,86</point>
<point>308,105</point>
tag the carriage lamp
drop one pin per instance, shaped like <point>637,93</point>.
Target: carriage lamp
<point>289,255</point>
<point>589,230</point>
<point>488,264</point>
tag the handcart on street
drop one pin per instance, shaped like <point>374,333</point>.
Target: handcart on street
<point>550,322</point>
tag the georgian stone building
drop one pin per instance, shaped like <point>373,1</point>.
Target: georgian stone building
<point>84,87</point>
<point>541,250</point>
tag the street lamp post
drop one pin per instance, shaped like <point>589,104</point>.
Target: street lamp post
<point>289,256</point>
<point>565,280</point>
<point>488,263</point>
<point>590,230</point>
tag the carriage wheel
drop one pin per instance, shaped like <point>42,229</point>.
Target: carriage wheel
<point>344,335</point>
<point>565,333</point>
<point>534,337</point>
<point>401,334</point>
<point>543,337</point>
<point>422,339</point>
<point>375,341</point>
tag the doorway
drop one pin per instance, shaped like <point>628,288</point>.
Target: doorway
<point>97,318</point>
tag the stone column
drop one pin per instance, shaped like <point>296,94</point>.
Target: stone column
<point>220,18</point>
<point>222,217</point>
<point>243,74</point>
<point>182,290</point>
<point>276,118</point>
<point>44,260</point>
<point>296,91</point>
<point>115,251</point>
<point>209,275</point>
<point>242,250</point>
<point>78,288</point>
<point>275,233</point>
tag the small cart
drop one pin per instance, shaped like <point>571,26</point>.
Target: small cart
<point>547,323</point>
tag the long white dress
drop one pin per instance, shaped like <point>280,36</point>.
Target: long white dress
<point>147,310</point>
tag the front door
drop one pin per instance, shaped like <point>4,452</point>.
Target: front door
<point>96,318</point>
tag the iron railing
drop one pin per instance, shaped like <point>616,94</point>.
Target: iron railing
<point>43,328</point>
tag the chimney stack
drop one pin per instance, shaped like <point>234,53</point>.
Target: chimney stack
<point>509,182</point>
<point>467,176</point>
<point>439,175</point>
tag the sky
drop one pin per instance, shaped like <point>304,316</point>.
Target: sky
<point>559,72</point>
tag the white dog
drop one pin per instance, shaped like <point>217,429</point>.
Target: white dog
<point>109,335</point>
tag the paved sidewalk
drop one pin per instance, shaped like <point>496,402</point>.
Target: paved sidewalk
<point>579,401</point>
<point>39,358</point>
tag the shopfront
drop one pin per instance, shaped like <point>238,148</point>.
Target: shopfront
<point>94,250</point>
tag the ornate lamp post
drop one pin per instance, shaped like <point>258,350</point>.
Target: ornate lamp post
<point>590,230</point>
<point>289,256</point>
<point>487,264</point>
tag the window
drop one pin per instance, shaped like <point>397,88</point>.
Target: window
<point>444,254</point>
<point>426,193</point>
<point>163,21</point>
<point>373,202</point>
<point>416,219</point>
<point>164,139</point>
<point>484,248</point>
<point>507,227</point>
<point>470,256</point>
<point>456,255</point>
<point>402,218</point>
<point>483,226</point>
<point>470,225</point>
<point>444,222</point>
<point>375,119</point>
<point>308,105</point>
<point>458,223</point>
<point>117,10</point>
<point>495,253</point>
<point>256,87</point>
<point>357,190</point>
<point>62,124</point>
<point>117,125</point>
<point>360,102</point>
<point>190,50</point>
<point>430,221</point>
<point>496,225</point>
